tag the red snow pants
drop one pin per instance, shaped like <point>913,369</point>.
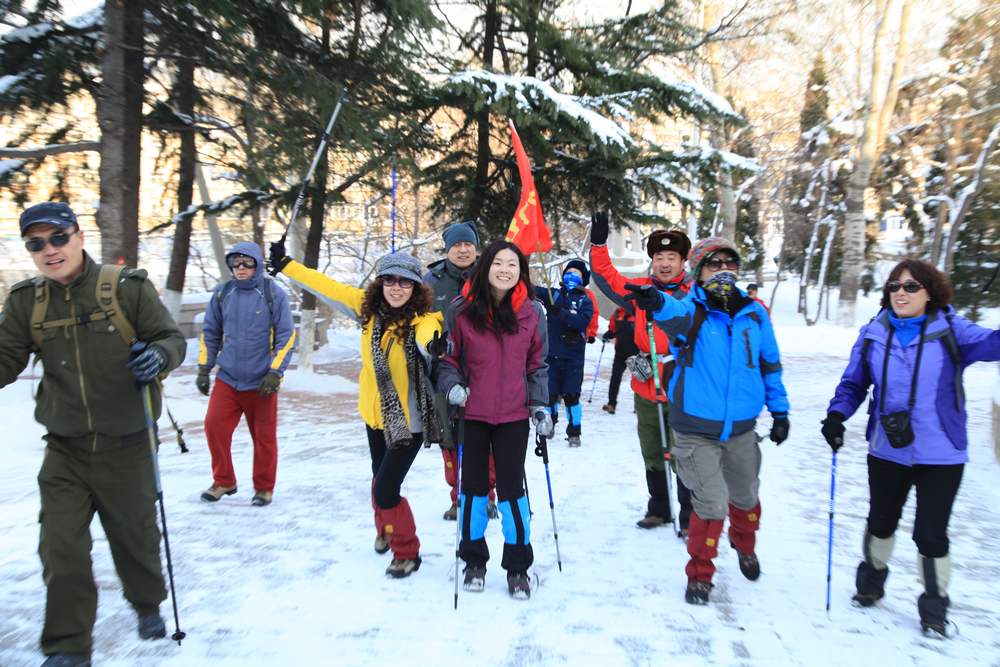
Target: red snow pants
<point>225,407</point>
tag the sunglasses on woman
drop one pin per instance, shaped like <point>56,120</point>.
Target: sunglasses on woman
<point>58,240</point>
<point>392,281</point>
<point>242,263</point>
<point>720,264</point>
<point>910,286</point>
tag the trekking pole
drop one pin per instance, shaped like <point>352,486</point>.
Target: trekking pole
<point>147,406</point>
<point>829,541</point>
<point>597,371</point>
<point>458,490</point>
<point>173,422</point>
<point>542,450</point>
<point>312,168</point>
<point>663,429</point>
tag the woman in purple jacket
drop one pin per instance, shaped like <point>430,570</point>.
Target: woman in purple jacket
<point>916,425</point>
<point>496,369</point>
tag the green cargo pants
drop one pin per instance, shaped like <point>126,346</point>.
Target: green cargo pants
<point>116,483</point>
<point>648,427</point>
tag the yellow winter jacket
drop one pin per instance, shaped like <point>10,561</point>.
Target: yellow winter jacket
<point>369,402</point>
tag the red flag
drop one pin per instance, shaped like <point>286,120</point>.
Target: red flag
<point>527,228</point>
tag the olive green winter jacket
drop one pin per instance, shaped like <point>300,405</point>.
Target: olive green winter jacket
<point>86,390</point>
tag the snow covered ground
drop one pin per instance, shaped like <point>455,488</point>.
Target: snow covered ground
<point>299,583</point>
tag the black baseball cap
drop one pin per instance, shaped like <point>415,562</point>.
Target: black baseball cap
<point>54,213</point>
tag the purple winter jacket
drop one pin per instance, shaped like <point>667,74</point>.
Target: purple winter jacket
<point>938,417</point>
<point>505,375</point>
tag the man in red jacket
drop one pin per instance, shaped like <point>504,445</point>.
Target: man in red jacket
<point>668,250</point>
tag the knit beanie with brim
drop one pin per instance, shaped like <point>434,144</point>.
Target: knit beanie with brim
<point>399,264</point>
<point>704,250</point>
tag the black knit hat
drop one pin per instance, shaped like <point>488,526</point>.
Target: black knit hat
<point>668,239</point>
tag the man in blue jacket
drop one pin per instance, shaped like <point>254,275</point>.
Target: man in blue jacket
<point>569,313</point>
<point>248,332</point>
<point>728,368</point>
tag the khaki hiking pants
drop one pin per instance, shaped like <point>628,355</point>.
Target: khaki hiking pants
<point>718,473</point>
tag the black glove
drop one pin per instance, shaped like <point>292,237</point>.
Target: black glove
<point>833,430</point>
<point>599,228</point>
<point>269,385</point>
<point>590,339</point>
<point>203,381</point>
<point>779,427</point>
<point>437,346</point>
<point>552,306</point>
<point>146,362</point>
<point>277,259</point>
<point>608,336</point>
<point>646,297</point>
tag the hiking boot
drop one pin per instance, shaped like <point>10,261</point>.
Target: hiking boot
<point>933,615</point>
<point>151,626</point>
<point>870,583</point>
<point>451,514</point>
<point>67,660</point>
<point>492,511</point>
<point>475,578</point>
<point>697,592</point>
<point>402,567</point>
<point>683,534</point>
<point>652,521</point>
<point>518,585</point>
<point>262,498</point>
<point>213,493</point>
<point>609,408</point>
<point>381,544</point>
<point>574,441</point>
<point>749,565</point>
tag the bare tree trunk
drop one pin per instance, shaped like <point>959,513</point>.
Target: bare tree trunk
<point>878,115</point>
<point>483,153</point>
<point>967,196</point>
<point>184,90</point>
<point>119,115</point>
<point>218,248</point>
<point>811,250</point>
<point>726,210</point>
<point>951,151</point>
<point>824,264</point>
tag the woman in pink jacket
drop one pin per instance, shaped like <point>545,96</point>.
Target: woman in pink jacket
<point>496,369</point>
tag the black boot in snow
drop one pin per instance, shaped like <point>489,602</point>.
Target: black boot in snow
<point>749,565</point>
<point>451,514</point>
<point>933,615</point>
<point>518,585</point>
<point>697,592</point>
<point>475,578</point>
<point>151,626</point>
<point>870,583</point>
<point>658,507</point>
<point>67,660</point>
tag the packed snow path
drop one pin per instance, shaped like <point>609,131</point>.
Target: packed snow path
<point>299,583</point>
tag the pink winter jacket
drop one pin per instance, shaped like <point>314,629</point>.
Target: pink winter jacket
<point>504,374</point>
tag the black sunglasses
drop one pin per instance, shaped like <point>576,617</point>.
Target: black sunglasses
<point>392,281</point>
<point>910,286</point>
<point>58,240</point>
<point>719,264</point>
<point>243,263</point>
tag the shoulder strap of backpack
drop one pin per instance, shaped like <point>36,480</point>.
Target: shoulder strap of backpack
<point>38,309</point>
<point>950,341</point>
<point>107,300</point>
<point>687,349</point>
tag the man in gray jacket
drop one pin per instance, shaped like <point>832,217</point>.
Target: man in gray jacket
<point>248,332</point>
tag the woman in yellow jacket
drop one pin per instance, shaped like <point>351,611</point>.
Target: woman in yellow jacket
<point>396,396</point>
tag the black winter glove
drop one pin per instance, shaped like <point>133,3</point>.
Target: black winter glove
<point>146,362</point>
<point>833,430</point>
<point>277,258</point>
<point>203,381</point>
<point>608,336</point>
<point>779,427</point>
<point>590,339</point>
<point>437,346</point>
<point>646,297</point>
<point>599,228</point>
<point>270,384</point>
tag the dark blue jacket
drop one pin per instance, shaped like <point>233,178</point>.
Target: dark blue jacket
<point>567,321</point>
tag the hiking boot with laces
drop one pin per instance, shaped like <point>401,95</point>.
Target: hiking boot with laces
<point>151,626</point>
<point>749,565</point>
<point>518,585</point>
<point>475,578</point>
<point>451,514</point>
<point>262,498</point>
<point>402,567</point>
<point>492,511</point>
<point>213,493</point>
<point>697,592</point>
<point>381,544</point>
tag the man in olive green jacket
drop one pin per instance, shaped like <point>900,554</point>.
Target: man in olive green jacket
<point>98,457</point>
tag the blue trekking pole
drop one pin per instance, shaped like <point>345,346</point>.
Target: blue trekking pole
<point>542,450</point>
<point>393,213</point>
<point>597,371</point>
<point>458,490</point>
<point>829,545</point>
<point>663,429</point>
